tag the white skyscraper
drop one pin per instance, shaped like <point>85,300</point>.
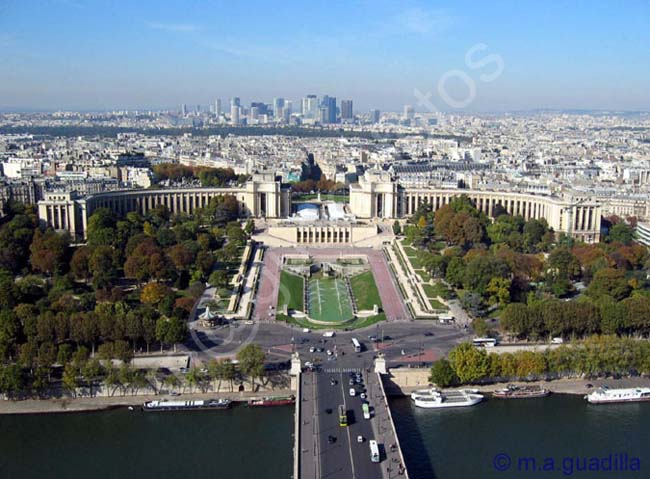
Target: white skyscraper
<point>234,115</point>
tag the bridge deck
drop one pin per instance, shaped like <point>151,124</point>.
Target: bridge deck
<point>328,450</point>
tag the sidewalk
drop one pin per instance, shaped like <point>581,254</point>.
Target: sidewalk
<point>34,406</point>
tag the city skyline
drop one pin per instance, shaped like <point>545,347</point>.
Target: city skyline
<point>79,55</point>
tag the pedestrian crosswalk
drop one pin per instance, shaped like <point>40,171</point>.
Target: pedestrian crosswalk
<point>342,370</point>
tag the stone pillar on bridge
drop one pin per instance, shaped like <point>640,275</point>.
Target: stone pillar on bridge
<point>380,364</point>
<point>296,367</point>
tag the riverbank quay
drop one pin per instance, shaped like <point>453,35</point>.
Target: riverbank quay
<point>81,404</point>
<point>405,381</point>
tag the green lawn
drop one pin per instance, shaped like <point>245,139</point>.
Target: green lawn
<point>365,291</point>
<point>435,290</point>
<point>329,300</point>
<point>291,292</point>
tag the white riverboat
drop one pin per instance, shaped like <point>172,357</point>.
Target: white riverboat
<point>165,405</point>
<point>434,398</point>
<point>605,395</point>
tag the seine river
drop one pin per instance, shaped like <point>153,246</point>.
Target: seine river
<point>257,442</point>
<point>246,443</point>
<point>496,439</point>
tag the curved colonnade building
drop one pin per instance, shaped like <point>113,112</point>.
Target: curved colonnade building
<point>376,196</point>
<point>262,196</point>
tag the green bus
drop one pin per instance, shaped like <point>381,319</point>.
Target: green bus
<point>343,416</point>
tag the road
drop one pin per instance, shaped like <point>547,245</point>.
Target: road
<point>344,457</point>
<point>404,343</point>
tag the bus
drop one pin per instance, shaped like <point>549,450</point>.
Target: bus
<point>366,410</point>
<point>343,416</point>
<point>357,345</point>
<point>374,451</point>
<point>485,342</point>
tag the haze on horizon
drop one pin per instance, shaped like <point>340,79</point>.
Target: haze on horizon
<point>98,54</point>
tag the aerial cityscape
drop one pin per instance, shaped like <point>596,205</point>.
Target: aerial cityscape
<point>364,240</point>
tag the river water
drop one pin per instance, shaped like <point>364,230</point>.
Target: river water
<point>257,442</point>
<point>246,443</point>
<point>497,438</point>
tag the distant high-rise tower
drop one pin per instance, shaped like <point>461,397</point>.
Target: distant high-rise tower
<point>217,106</point>
<point>234,114</point>
<point>374,116</point>
<point>329,103</point>
<point>235,101</point>
<point>346,110</point>
<point>278,104</point>
<point>409,112</point>
<point>184,109</point>
<point>310,106</point>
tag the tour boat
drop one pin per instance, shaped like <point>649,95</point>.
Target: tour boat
<point>165,405</point>
<point>521,392</point>
<point>606,395</point>
<point>445,399</point>
<point>272,401</point>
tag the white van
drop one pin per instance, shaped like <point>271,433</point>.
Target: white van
<point>329,334</point>
<point>557,341</point>
<point>353,392</point>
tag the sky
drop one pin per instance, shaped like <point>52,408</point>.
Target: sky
<point>473,56</point>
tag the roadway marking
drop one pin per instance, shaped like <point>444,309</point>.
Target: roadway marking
<point>345,405</point>
<point>341,370</point>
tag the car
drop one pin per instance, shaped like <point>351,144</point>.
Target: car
<point>329,352</point>
<point>387,338</point>
<point>363,396</point>
<point>429,334</point>
<point>351,382</point>
<point>320,350</point>
<point>184,370</point>
<point>353,392</point>
<point>174,393</point>
<point>373,338</point>
<point>331,439</point>
<point>333,382</point>
<point>312,349</point>
<point>359,439</point>
<point>328,410</point>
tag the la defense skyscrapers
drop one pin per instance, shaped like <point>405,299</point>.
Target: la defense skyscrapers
<point>346,110</point>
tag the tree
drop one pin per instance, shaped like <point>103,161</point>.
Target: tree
<point>154,293</point>
<point>101,227</point>
<point>218,278</point>
<point>455,271</point>
<point>79,263</point>
<point>498,290</point>
<point>621,233</point>
<point>170,331</point>
<point>480,271</point>
<point>442,374</point>
<point>611,282</point>
<point>48,251</point>
<point>469,363</point>
<point>251,361</point>
<point>181,257</point>
<point>473,302</point>
<point>70,379</point>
